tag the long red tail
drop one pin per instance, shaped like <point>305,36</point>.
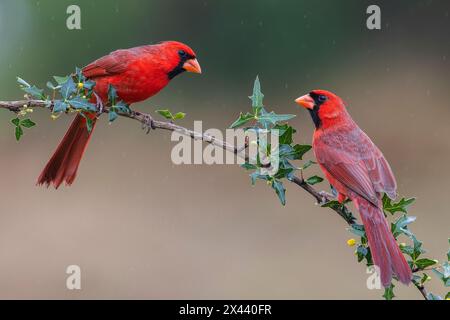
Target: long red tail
<point>63,165</point>
<point>386,254</point>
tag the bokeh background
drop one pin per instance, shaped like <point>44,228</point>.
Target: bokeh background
<point>140,227</point>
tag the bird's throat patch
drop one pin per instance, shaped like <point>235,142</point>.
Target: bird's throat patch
<point>315,115</point>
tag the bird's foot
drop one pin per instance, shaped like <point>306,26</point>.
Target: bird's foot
<point>325,197</point>
<point>148,124</point>
<point>98,104</point>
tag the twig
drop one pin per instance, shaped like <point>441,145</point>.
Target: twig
<point>322,198</point>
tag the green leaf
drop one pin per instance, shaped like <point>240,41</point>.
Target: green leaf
<point>35,92</point>
<point>179,115</point>
<point>248,166</point>
<point>19,132</point>
<point>408,250</point>
<point>432,296</point>
<point>300,150</point>
<point>401,206</point>
<point>361,252</point>
<point>280,191</point>
<point>60,106</point>
<point>23,82</point>
<point>389,292</point>
<point>444,275</point>
<point>308,164</point>
<point>82,104</point>
<point>424,278</point>
<point>243,119</point>
<point>89,84</point>
<point>112,115</point>
<point>68,88</point>
<point>257,96</point>
<point>165,113</point>
<point>89,124</point>
<point>15,121</point>
<point>27,123</point>
<point>285,132</point>
<point>256,175</point>
<point>357,229</point>
<point>448,252</point>
<point>293,153</point>
<point>51,86</point>
<point>423,263</point>
<point>314,180</point>
<point>401,226</point>
<point>112,94</point>
<point>271,118</point>
<point>121,107</point>
<point>61,80</point>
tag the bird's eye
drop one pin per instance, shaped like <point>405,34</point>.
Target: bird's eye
<point>182,53</point>
<point>322,98</point>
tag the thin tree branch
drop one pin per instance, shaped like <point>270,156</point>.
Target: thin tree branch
<point>143,118</point>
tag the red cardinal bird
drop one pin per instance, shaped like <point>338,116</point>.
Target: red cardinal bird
<point>137,74</point>
<point>357,169</point>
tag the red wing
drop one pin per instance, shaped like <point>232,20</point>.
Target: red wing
<point>113,63</point>
<point>359,165</point>
<point>381,175</point>
<point>351,172</point>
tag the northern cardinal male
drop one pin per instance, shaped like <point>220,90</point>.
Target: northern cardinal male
<point>357,169</point>
<point>137,74</point>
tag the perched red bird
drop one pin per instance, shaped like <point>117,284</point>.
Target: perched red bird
<point>137,74</point>
<point>357,169</point>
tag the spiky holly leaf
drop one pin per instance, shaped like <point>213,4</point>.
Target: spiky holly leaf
<point>257,96</point>
<point>243,119</point>
<point>423,263</point>
<point>401,226</point>
<point>61,80</point>
<point>248,166</point>
<point>112,115</point>
<point>165,113</point>
<point>393,207</point>
<point>432,296</point>
<point>18,132</point>
<point>307,164</point>
<point>68,88</point>
<point>60,106</point>
<point>179,115</point>
<point>389,292</point>
<point>268,119</point>
<point>27,123</point>
<point>314,180</point>
<point>278,186</point>
<point>82,104</point>
<point>15,121</point>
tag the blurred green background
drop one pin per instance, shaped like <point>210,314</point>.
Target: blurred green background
<point>140,227</point>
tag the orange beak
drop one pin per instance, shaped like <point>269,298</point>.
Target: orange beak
<point>306,101</point>
<point>192,65</point>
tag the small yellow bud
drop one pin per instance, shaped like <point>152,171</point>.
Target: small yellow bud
<point>29,110</point>
<point>351,242</point>
<point>84,97</point>
<point>54,116</point>
<point>402,245</point>
<point>22,113</point>
<point>447,298</point>
<point>80,85</point>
